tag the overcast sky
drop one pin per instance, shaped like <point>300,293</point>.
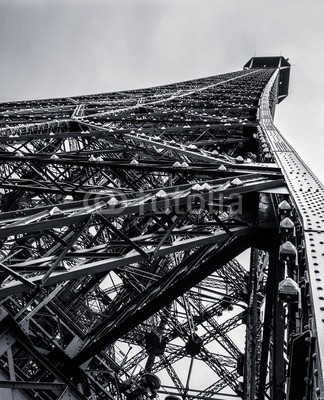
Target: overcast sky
<point>51,48</point>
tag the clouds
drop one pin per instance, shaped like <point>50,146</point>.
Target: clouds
<point>52,48</point>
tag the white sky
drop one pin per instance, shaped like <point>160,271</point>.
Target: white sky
<point>51,48</point>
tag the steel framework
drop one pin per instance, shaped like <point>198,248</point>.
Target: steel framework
<point>160,243</point>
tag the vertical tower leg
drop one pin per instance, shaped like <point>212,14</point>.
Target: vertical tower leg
<point>278,331</point>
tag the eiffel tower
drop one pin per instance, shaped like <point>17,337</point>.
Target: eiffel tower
<point>162,243</point>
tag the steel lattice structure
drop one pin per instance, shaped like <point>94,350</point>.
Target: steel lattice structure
<point>160,242</point>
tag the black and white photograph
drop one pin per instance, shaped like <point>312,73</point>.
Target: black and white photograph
<point>161,200</point>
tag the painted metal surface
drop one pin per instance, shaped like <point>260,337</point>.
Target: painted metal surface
<point>307,193</point>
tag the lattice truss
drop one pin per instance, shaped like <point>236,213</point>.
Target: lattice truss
<point>122,215</point>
